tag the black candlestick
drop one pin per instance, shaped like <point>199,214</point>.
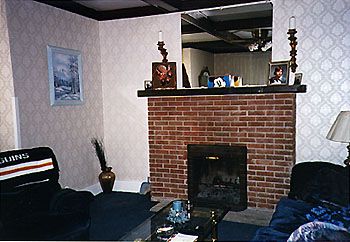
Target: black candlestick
<point>293,44</point>
<point>163,51</point>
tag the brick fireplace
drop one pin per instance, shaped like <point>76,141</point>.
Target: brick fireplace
<point>265,123</point>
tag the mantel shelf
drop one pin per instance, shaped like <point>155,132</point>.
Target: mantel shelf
<point>222,91</point>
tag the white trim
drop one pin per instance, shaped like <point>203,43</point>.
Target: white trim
<point>127,186</point>
<point>95,189</point>
<point>120,186</point>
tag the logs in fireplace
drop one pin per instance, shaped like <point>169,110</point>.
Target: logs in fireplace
<point>217,176</point>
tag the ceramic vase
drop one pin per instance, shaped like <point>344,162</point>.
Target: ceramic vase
<point>107,179</point>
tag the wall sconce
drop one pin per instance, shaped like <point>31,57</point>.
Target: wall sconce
<point>293,43</point>
<point>340,131</point>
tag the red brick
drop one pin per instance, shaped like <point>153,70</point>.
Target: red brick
<point>265,123</point>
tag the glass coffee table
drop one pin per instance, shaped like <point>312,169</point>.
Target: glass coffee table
<point>203,223</point>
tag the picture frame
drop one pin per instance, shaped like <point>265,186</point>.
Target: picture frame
<point>164,75</point>
<point>274,73</point>
<point>298,78</point>
<point>65,76</point>
<point>148,84</point>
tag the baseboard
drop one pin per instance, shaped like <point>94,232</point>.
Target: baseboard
<point>120,186</point>
<point>95,189</point>
<point>127,186</point>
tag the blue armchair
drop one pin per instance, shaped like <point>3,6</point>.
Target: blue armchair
<point>33,204</point>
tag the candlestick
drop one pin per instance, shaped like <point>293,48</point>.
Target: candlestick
<point>163,51</point>
<point>293,52</point>
<point>160,36</point>
<point>292,22</point>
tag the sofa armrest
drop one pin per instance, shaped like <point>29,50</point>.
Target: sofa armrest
<point>68,201</point>
<point>315,181</point>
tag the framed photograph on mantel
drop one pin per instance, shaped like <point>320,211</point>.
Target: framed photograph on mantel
<point>65,76</point>
<point>164,75</point>
<point>279,73</point>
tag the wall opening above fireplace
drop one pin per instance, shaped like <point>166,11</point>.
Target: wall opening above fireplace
<point>217,176</point>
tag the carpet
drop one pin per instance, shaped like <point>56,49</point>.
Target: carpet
<point>114,214</point>
<point>233,231</point>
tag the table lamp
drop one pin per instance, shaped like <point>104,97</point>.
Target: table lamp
<point>340,131</point>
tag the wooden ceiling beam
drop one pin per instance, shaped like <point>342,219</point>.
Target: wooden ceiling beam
<point>240,24</point>
<point>162,5</point>
<point>207,26</point>
<point>219,46</point>
<point>186,5</point>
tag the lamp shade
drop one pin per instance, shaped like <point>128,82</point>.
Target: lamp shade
<point>340,130</point>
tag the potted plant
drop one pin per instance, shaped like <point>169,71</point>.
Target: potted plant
<point>106,177</point>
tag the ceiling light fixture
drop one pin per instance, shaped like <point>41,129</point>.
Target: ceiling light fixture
<point>267,46</point>
<point>263,47</point>
<point>260,43</point>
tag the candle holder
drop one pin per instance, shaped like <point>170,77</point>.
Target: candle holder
<point>163,73</point>
<point>293,52</point>
<point>163,51</point>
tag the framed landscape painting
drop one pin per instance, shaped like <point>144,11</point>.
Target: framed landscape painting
<point>65,76</point>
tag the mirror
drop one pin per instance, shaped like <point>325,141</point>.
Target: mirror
<point>233,40</point>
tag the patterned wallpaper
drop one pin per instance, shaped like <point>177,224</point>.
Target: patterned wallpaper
<point>6,85</point>
<point>324,59</point>
<point>128,48</point>
<point>66,129</point>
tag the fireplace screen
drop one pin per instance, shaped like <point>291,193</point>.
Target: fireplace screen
<point>217,176</point>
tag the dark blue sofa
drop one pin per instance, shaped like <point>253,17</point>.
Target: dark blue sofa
<point>319,191</point>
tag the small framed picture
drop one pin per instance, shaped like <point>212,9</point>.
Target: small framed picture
<point>279,73</point>
<point>297,79</point>
<point>65,76</point>
<point>148,84</point>
<point>163,75</point>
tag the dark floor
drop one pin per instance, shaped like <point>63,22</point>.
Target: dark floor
<point>114,214</point>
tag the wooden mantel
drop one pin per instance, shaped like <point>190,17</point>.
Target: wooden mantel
<point>222,91</point>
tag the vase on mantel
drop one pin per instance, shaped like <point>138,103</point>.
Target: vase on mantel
<point>107,178</point>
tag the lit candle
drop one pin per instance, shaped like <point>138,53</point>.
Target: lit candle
<point>160,36</point>
<point>292,22</point>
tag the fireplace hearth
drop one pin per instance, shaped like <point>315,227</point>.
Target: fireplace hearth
<point>217,176</point>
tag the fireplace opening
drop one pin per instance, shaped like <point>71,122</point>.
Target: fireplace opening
<point>217,176</point>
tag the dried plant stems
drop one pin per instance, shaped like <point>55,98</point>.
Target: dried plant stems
<point>100,152</point>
